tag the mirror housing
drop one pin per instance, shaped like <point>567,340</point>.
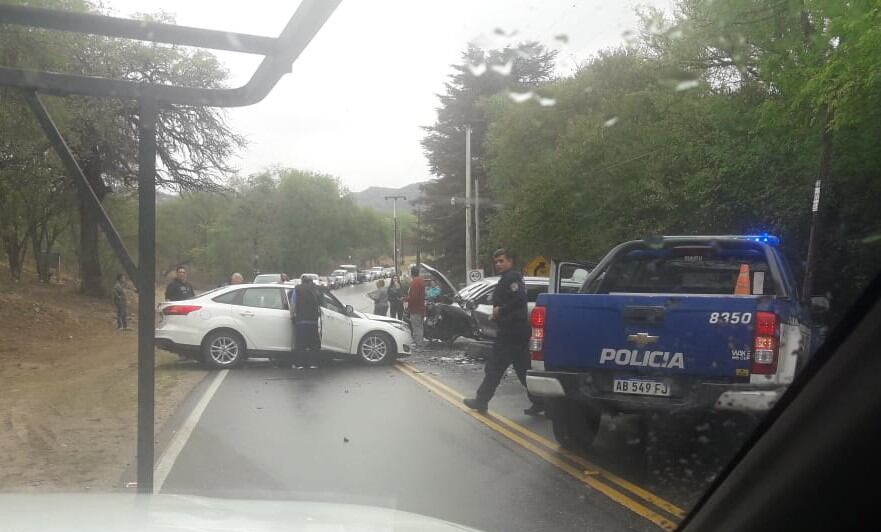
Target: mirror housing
<point>349,310</point>
<point>819,305</point>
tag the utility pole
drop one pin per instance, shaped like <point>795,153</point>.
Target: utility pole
<point>395,215</point>
<point>418,236</point>
<point>477,221</point>
<point>468,261</point>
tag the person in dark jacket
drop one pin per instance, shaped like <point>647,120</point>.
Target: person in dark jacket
<point>511,346</point>
<point>395,295</point>
<point>306,311</point>
<point>179,288</point>
<point>120,302</point>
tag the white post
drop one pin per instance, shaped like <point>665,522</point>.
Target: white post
<point>468,263</point>
<point>477,222</point>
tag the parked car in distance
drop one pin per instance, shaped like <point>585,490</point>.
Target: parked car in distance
<point>342,278</point>
<point>267,278</point>
<point>378,272</point>
<point>351,273</point>
<point>224,326</point>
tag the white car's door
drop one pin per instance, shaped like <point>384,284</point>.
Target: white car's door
<point>336,327</point>
<point>265,318</point>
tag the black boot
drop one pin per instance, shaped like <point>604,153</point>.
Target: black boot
<point>474,404</point>
<point>534,410</point>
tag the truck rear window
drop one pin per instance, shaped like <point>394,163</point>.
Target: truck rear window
<point>687,269</point>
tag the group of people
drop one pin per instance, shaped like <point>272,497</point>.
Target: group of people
<point>509,312</point>
<point>395,300</point>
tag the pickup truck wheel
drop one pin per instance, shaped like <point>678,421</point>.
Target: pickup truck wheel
<point>575,426</point>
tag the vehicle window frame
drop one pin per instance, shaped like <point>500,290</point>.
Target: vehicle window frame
<point>535,285</point>
<point>236,297</point>
<point>279,291</point>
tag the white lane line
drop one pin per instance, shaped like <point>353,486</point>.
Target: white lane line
<point>179,440</point>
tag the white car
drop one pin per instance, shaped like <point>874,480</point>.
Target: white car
<point>224,326</point>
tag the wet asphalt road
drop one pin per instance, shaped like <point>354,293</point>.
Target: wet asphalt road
<point>375,435</point>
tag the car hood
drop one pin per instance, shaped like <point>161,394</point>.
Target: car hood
<point>167,513</point>
<point>445,285</point>
<point>377,317</point>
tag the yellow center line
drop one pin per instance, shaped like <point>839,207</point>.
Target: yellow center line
<point>587,477</point>
<point>640,492</point>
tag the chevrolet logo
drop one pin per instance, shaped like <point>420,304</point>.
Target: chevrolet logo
<point>642,339</point>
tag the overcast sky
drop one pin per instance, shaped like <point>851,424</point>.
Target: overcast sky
<point>356,100</point>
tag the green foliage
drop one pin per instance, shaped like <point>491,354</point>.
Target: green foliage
<point>511,69</point>
<point>710,124</point>
<point>284,220</point>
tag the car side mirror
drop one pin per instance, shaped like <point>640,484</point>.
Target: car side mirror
<point>349,310</point>
<point>471,305</point>
<point>819,305</point>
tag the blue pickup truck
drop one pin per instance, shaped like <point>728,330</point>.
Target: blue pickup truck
<point>669,325</point>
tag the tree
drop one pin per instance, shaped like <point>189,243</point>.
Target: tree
<point>481,74</point>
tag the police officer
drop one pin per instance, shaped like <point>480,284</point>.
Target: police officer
<point>512,340</point>
<point>179,288</point>
<point>306,311</point>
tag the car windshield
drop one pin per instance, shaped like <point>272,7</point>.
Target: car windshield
<point>582,251</point>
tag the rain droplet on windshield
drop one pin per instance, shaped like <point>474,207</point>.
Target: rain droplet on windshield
<point>520,97</point>
<point>504,70</point>
<point>546,102</point>
<point>500,31</point>
<point>686,85</point>
<point>611,122</point>
<point>477,70</point>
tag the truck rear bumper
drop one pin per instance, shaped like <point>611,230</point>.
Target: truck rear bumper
<point>580,387</point>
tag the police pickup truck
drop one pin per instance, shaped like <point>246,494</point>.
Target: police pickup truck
<point>668,325</point>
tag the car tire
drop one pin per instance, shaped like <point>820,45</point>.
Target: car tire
<point>575,426</point>
<point>223,349</point>
<point>376,348</point>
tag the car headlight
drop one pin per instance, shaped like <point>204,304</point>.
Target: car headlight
<point>401,327</point>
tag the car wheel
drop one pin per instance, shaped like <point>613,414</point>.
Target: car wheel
<point>223,349</point>
<point>575,426</point>
<point>376,348</point>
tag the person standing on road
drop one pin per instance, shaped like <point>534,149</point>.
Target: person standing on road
<point>416,306</point>
<point>511,346</point>
<point>119,301</point>
<point>380,298</point>
<point>395,295</point>
<point>179,288</point>
<point>305,312</point>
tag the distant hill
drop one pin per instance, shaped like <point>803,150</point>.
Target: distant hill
<point>374,197</point>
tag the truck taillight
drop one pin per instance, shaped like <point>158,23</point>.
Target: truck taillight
<point>765,345</point>
<point>536,342</point>
<point>180,310</point>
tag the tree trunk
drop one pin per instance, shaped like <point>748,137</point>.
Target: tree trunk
<point>15,254</point>
<point>90,263</point>
<point>37,234</point>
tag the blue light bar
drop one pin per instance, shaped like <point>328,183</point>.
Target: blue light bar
<point>765,238</point>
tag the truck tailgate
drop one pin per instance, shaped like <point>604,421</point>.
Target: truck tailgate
<point>706,336</point>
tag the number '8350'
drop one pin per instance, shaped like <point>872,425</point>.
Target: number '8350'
<point>731,317</point>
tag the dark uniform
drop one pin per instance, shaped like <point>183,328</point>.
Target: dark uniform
<point>307,311</point>
<point>178,291</point>
<point>511,346</point>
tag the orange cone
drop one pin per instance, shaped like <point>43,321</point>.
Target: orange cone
<point>742,287</point>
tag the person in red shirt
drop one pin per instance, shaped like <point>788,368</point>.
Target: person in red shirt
<point>416,305</point>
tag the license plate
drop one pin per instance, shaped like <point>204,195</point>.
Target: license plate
<point>641,387</point>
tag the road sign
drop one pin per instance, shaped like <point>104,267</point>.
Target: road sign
<point>474,276</point>
<point>537,267</point>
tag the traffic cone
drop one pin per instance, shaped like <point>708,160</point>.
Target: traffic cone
<point>742,287</point>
